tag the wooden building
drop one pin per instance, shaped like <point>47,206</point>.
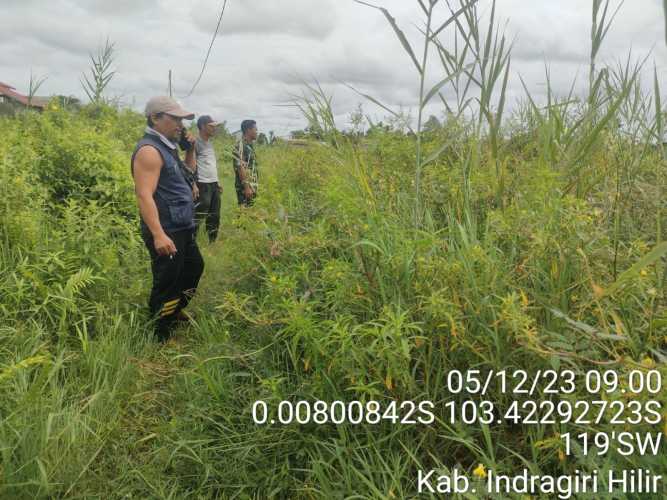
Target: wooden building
<point>10,99</point>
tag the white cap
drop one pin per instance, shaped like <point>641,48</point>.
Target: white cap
<point>165,104</point>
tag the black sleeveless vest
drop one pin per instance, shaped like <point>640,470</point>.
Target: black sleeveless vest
<point>173,195</point>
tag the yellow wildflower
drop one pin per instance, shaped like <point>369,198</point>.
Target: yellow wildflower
<point>480,471</point>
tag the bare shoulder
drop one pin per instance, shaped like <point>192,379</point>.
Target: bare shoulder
<point>148,158</point>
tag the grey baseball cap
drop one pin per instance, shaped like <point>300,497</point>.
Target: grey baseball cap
<point>205,120</point>
<point>168,105</point>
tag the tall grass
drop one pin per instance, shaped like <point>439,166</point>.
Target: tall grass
<point>421,65</point>
<point>101,73</point>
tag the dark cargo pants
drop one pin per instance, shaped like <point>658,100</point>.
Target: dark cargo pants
<point>175,279</point>
<point>208,210</point>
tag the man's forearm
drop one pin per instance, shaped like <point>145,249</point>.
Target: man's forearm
<point>191,159</point>
<point>149,215</point>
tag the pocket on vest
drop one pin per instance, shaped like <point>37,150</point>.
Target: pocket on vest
<point>181,213</point>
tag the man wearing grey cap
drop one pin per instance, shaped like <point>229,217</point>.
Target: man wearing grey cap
<point>210,190</point>
<point>166,203</point>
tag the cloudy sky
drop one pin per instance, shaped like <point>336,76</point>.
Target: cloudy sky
<point>268,48</point>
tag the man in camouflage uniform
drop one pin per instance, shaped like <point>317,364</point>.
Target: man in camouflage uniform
<point>245,165</point>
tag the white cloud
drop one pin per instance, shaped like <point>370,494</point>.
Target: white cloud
<point>266,48</point>
<point>297,18</point>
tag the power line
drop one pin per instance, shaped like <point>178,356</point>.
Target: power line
<point>208,53</point>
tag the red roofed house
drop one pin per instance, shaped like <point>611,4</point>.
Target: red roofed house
<point>9,96</point>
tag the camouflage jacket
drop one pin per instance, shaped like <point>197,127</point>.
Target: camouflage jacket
<point>245,152</point>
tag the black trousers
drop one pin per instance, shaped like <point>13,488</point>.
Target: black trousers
<point>175,279</point>
<point>208,210</point>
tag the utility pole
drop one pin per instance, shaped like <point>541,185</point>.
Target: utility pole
<point>170,90</point>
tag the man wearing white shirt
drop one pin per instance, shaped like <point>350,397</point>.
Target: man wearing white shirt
<point>210,190</point>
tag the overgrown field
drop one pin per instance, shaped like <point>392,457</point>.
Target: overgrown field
<point>325,291</point>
